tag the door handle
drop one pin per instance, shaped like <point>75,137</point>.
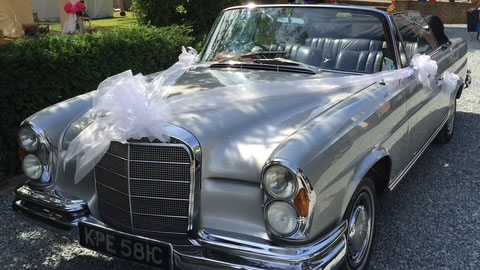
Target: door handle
<point>440,81</point>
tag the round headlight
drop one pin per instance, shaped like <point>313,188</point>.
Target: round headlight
<point>281,218</point>
<point>32,167</point>
<point>28,139</point>
<point>279,182</point>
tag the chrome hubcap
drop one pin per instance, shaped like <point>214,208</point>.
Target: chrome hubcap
<point>360,229</point>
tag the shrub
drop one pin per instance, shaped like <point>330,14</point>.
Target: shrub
<point>36,74</point>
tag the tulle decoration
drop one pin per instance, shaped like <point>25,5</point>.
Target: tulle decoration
<point>450,82</point>
<point>128,107</point>
<point>124,107</point>
<point>425,69</point>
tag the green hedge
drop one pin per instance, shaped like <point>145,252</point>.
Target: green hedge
<point>200,14</point>
<point>36,74</point>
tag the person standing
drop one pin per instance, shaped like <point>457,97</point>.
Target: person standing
<point>477,5</point>
<point>472,19</point>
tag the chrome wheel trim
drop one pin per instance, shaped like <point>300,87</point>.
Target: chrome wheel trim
<point>451,119</point>
<point>360,229</point>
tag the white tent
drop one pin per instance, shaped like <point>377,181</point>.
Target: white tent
<point>99,8</point>
<point>53,9</point>
<point>14,14</point>
<point>122,4</point>
<point>47,9</point>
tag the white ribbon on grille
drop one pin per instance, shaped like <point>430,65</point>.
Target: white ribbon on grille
<point>129,107</point>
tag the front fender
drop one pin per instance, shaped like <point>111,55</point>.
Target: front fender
<point>364,166</point>
<point>53,121</point>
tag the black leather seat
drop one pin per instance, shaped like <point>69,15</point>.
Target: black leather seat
<point>366,55</point>
<point>345,44</point>
<point>331,48</point>
<point>278,48</point>
<point>360,61</point>
<point>305,54</point>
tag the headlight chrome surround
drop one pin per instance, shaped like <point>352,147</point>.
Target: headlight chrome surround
<point>302,200</point>
<point>42,152</point>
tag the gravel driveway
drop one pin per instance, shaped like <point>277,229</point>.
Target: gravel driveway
<point>431,221</point>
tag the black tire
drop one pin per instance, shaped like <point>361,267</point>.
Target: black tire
<point>358,258</point>
<point>446,133</point>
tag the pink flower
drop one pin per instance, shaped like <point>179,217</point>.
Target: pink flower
<point>68,8</point>
<point>79,7</point>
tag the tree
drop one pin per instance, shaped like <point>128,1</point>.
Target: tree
<point>200,14</point>
<point>157,12</point>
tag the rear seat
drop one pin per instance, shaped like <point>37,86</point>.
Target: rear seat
<point>361,61</point>
<point>362,55</point>
<point>331,49</point>
<point>297,52</point>
<point>345,44</point>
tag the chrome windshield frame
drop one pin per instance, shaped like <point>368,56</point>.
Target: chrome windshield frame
<point>390,36</point>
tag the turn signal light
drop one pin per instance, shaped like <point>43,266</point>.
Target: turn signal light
<point>302,203</point>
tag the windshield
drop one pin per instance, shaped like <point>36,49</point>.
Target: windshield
<point>328,38</point>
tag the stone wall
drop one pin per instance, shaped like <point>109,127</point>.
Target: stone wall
<point>448,12</point>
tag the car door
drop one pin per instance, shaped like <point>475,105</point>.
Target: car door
<point>426,107</point>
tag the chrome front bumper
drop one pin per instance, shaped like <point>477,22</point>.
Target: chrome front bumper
<point>214,250</point>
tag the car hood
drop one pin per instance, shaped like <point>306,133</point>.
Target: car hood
<point>236,140</point>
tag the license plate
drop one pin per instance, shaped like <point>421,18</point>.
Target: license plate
<point>126,246</point>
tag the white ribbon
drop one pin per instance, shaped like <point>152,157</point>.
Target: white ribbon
<point>128,107</point>
<point>450,81</point>
<point>425,69</point>
<point>124,107</point>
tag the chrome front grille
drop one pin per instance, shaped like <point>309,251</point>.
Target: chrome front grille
<point>145,189</point>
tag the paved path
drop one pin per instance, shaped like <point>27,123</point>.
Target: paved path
<point>431,221</point>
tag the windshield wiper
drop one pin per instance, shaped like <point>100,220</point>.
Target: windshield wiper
<point>287,62</point>
<point>245,55</point>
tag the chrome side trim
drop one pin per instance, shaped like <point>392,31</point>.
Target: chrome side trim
<point>304,223</point>
<point>395,181</point>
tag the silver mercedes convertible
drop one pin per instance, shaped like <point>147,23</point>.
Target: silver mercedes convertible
<point>289,182</point>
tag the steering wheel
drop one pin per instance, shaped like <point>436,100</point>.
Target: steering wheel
<point>263,47</point>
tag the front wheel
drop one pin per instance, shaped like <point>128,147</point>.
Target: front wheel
<point>361,225</point>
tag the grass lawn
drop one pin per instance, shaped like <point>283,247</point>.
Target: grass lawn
<point>101,25</point>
